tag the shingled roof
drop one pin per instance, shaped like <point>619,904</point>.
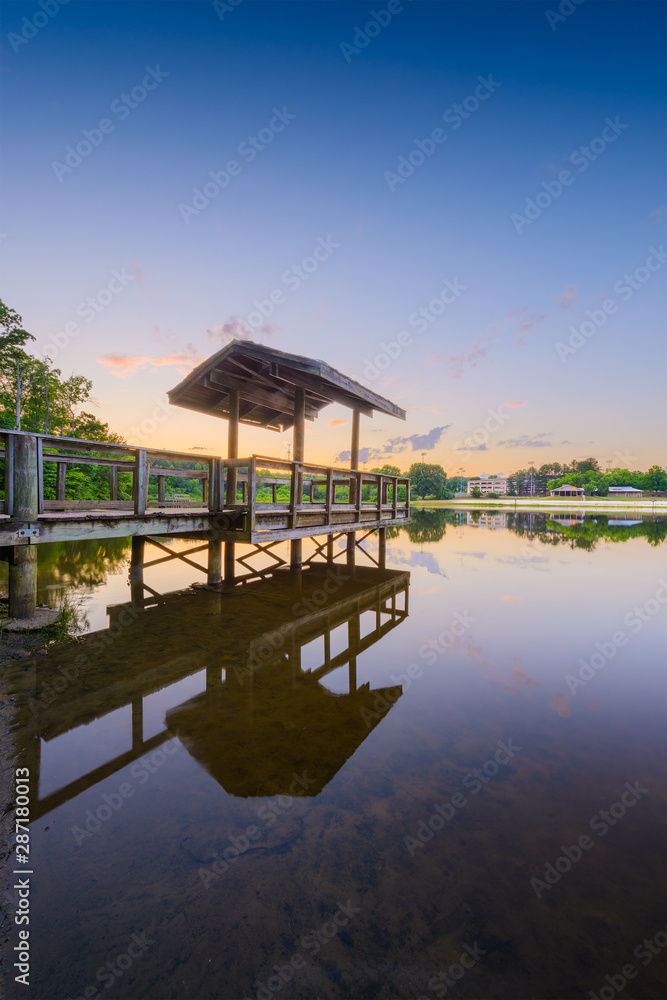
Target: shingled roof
<point>266,380</point>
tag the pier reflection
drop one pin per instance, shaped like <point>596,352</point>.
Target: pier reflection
<point>243,679</point>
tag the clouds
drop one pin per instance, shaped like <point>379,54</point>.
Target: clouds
<point>470,356</point>
<point>415,442</point>
<point>526,441</point>
<point>237,329</point>
<point>528,323</point>
<point>515,404</point>
<point>568,297</point>
<point>336,423</point>
<point>124,365</point>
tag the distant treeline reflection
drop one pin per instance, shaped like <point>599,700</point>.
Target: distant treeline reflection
<point>431,526</point>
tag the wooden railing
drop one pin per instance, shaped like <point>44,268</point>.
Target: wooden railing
<point>315,494</point>
<point>312,494</point>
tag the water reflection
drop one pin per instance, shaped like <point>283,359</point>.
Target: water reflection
<point>334,725</point>
<point>268,663</point>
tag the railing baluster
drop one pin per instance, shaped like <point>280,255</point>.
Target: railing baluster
<point>140,482</point>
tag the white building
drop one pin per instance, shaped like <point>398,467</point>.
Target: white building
<point>625,491</point>
<point>488,484</point>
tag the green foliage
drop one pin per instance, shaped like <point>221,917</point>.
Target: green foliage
<point>476,493</point>
<point>427,480</point>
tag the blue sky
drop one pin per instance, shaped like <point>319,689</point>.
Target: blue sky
<point>480,372</point>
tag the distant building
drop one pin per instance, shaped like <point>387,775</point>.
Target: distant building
<point>488,485</point>
<point>567,491</point>
<point>630,491</point>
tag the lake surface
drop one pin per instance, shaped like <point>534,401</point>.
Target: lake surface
<point>445,779</point>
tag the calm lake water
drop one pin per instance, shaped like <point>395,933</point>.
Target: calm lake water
<point>445,779</point>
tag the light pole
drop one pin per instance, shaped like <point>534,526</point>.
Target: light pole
<point>423,454</point>
<point>531,463</point>
<point>461,479</point>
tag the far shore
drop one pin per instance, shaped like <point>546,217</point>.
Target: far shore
<point>566,504</point>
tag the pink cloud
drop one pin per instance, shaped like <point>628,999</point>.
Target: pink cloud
<point>517,402</point>
<point>124,365</point>
<point>336,423</point>
<point>237,329</point>
<point>568,297</point>
<point>514,600</point>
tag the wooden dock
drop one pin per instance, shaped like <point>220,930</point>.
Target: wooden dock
<point>258,500</point>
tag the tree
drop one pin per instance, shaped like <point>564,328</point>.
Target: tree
<point>655,480</point>
<point>388,470</point>
<point>427,480</point>
<point>476,493</point>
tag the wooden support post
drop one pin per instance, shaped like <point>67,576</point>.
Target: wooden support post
<point>330,549</point>
<point>230,560</point>
<point>61,480</point>
<point>160,489</point>
<point>330,494</point>
<point>382,548</point>
<point>113,482</point>
<point>137,571</point>
<point>354,454</point>
<point>9,474</point>
<point>140,482</point>
<point>40,476</point>
<point>351,550</point>
<point>274,493</point>
<point>137,724</point>
<point>26,480</point>
<point>204,491</point>
<point>214,572</point>
<point>353,632</point>
<point>244,492</point>
<point>251,493</point>
<point>232,445</point>
<point>23,581</point>
<point>299,432</point>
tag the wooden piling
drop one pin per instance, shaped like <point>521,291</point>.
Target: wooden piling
<point>26,480</point>
<point>23,581</point>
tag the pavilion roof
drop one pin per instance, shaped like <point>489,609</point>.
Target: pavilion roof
<point>266,380</point>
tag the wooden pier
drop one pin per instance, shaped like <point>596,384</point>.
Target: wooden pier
<point>258,500</point>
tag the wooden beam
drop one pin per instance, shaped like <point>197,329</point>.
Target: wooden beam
<point>298,440</point>
<point>140,482</point>
<point>113,482</point>
<point>232,444</point>
<point>9,474</point>
<point>270,397</point>
<point>61,481</point>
